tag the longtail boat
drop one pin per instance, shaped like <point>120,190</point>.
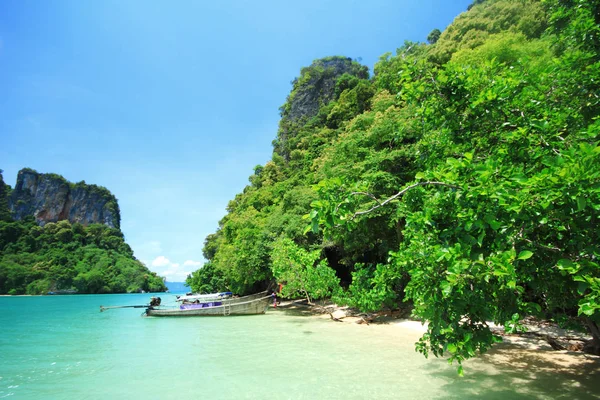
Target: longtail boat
<point>247,305</point>
<point>204,298</point>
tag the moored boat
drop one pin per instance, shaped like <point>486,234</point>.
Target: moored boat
<point>190,297</point>
<point>247,305</point>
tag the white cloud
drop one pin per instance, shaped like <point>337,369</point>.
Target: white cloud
<point>172,271</point>
<point>161,261</point>
<point>192,263</point>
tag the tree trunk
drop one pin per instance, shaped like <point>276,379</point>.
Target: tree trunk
<point>593,346</point>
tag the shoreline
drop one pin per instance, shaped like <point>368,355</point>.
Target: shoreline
<point>524,350</point>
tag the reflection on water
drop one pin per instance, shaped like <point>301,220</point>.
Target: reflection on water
<point>63,348</point>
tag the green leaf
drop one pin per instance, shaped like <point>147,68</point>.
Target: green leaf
<point>567,265</point>
<point>581,203</point>
<point>451,348</point>
<point>495,225</point>
<point>315,226</point>
<point>460,371</point>
<point>480,238</point>
<point>534,307</point>
<point>582,287</point>
<point>525,254</point>
<point>446,287</point>
<point>587,309</point>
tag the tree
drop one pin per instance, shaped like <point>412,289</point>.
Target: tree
<point>433,36</point>
<point>301,272</point>
<point>471,29</point>
<point>207,279</point>
<point>461,178</point>
<point>61,256</point>
<point>513,229</point>
<point>474,3</point>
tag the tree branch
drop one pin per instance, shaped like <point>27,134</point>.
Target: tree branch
<point>543,246</point>
<point>399,194</point>
<point>359,193</point>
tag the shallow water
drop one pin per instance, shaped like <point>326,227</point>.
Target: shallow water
<point>62,347</point>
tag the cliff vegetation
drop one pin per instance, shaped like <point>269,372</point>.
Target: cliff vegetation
<point>462,179</point>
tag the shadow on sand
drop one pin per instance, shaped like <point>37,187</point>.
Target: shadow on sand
<point>512,372</point>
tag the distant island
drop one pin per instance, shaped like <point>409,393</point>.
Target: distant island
<point>62,237</point>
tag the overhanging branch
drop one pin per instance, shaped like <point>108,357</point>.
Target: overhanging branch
<point>399,194</point>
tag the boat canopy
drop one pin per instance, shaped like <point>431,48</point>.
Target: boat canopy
<point>204,297</point>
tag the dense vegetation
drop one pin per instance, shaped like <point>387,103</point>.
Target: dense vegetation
<point>463,178</point>
<point>65,256</point>
<point>4,193</point>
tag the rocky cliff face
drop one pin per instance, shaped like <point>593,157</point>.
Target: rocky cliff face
<point>312,90</point>
<point>51,198</point>
<point>316,86</point>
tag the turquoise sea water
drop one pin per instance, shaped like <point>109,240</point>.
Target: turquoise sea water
<point>62,347</point>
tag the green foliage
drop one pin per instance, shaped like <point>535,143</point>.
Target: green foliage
<point>462,178</point>
<point>373,287</point>
<point>301,272</point>
<point>471,29</point>
<point>65,256</point>
<point>474,3</point>
<point>325,96</point>
<point>101,192</point>
<point>243,251</point>
<point>389,68</point>
<point>315,83</point>
<point>509,123</point>
<point>434,36</point>
<point>577,23</point>
<point>508,48</point>
<point>318,85</point>
<point>4,192</point>
<point>207,279</point>
<point>352,101</point>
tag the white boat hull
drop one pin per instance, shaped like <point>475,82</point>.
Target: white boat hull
<point>245,307</point>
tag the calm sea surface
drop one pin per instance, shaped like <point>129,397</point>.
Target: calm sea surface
<point>62,347</point>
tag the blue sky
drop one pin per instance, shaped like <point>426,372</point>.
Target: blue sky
<point>170,105</point>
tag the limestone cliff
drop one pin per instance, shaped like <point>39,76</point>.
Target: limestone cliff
<point>51,198</point>
<point>316,86</point>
